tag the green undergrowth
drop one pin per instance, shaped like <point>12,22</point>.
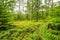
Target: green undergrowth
<point>30,32</point>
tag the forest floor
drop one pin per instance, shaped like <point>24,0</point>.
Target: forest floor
<point>40,28</point>
<point>30,30</point>
<point>26,23</point>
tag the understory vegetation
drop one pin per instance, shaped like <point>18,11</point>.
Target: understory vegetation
<point>39,20</point>
<point>31,31</point>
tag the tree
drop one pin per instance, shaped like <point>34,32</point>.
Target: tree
<point>29,8</point>
<point>6,8</point>
<point>33,6</point>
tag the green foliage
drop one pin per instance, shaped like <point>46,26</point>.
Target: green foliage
<point>6,27</point>
<point>31,32</point>
<point>6,8</point>
<point>49,13</point>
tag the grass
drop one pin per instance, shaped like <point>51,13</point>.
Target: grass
<point>30,30</point>
<point>27,23</point>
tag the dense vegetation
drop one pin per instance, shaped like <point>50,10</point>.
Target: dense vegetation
<point>39,22</point>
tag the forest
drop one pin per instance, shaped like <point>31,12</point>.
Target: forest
<point>29,20</point>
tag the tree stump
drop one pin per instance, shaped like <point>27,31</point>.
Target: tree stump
<point>49,25</point>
